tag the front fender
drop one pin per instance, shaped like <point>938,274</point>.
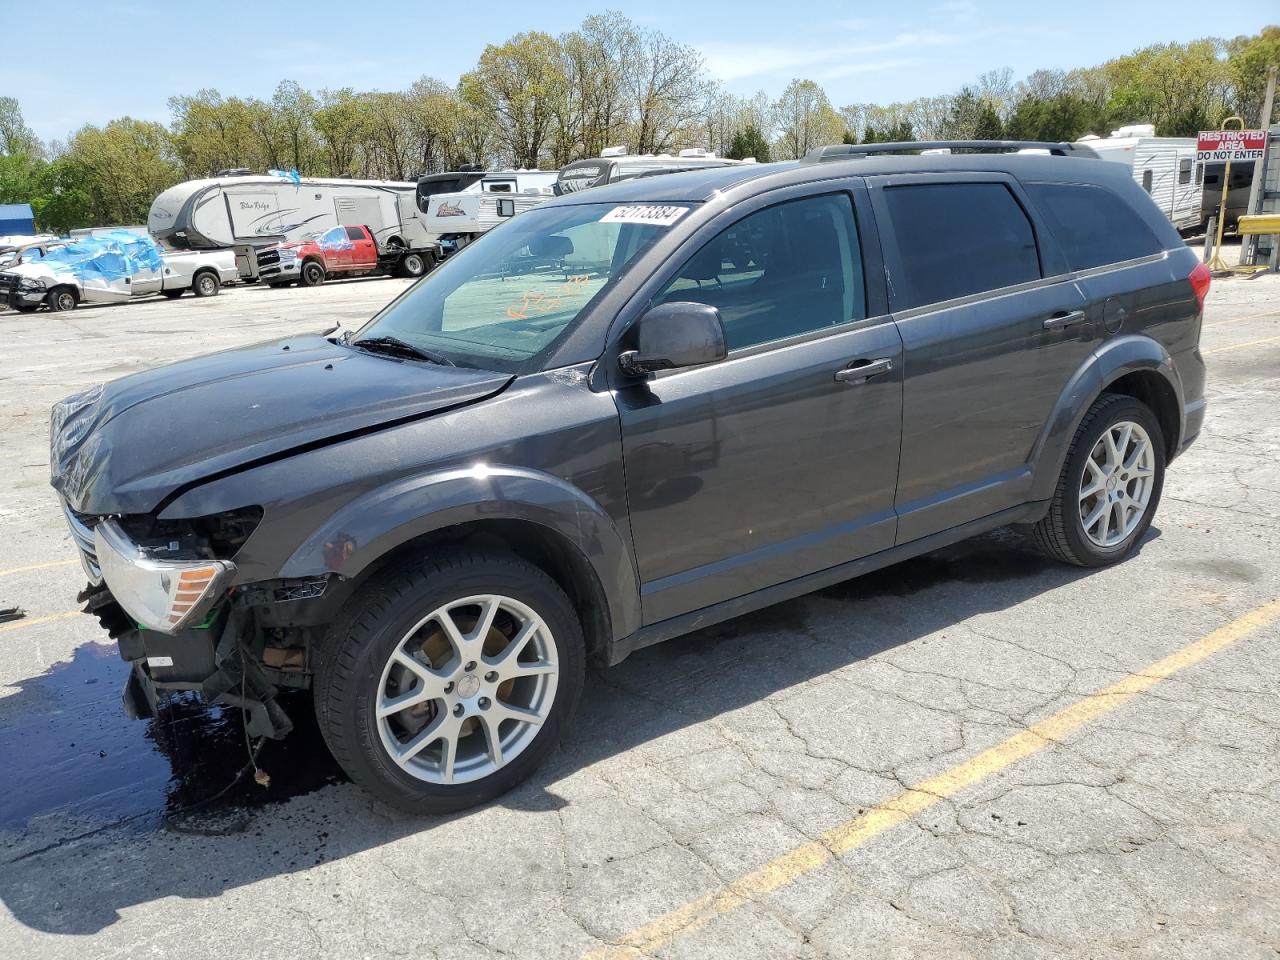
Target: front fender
<point>1111,361</point>
<point>382,519</point>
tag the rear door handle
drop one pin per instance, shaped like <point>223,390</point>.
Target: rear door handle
<point>860,371</point>
<point>1063,319</point>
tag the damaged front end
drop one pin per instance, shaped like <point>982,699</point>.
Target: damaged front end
<point>164,590</point>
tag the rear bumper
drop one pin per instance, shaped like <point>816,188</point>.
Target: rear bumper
<point>1192,422</point>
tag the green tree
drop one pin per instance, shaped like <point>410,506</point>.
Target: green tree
<point>1063,117</point>
<point>806,119</point>
<point>16,138</point>
<point>520,84</point>
<point>750,141</point>
<point>122,167</point>
<point>1247,71</point>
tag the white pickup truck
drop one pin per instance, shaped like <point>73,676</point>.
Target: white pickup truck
<point>111,268</point>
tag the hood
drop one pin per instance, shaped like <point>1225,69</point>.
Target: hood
<point>126,447</point>
<point>41,270</point>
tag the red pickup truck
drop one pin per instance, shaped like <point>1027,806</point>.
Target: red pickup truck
<point>343,251</point>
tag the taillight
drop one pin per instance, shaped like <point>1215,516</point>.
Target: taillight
<point>1200,279</point>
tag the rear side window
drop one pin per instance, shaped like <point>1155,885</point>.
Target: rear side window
<point>1094,226</point>
<point>957,239</point>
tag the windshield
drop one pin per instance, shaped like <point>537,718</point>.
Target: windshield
<point>503,302</point>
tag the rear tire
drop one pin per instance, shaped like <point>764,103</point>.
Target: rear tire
<point>279,285</point>
<point>312,274</point>
<point>62,299</point>
<point>501,716</point>
<point>1109,488</point>
<point>205,284</point>
<point>413,265</point>
<point>26,307</point>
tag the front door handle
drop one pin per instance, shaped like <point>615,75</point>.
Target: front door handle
<point>1063,319</point>
<point>860,371</point>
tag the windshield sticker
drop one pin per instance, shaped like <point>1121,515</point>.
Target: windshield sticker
<point>536,303</point>
<point>657,216</point>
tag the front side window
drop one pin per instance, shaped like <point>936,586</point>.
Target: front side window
<point>355,233</point>
<point>335,238</point>
<point>958,239</point>
<point>503,302</point>
<point>779,272</point>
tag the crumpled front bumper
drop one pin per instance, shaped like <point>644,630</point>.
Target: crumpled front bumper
<point>24,298</point>
<point>281,270</point>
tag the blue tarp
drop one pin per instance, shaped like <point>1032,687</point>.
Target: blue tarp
<point>110,256</point>
<point>17,218</point>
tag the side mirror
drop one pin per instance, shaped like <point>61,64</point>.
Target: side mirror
<point>672,335</point>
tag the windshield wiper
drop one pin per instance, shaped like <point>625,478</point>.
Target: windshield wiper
<point>395,347</point>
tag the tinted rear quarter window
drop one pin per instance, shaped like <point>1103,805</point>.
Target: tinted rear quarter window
<point>1093,225</point>
<point>957,239</point>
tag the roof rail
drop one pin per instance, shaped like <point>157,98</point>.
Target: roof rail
<point>845,151</point>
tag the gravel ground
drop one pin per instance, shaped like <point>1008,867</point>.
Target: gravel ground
<point>975,753</point>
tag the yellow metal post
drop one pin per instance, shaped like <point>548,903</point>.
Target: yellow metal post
<point>1217,263</point>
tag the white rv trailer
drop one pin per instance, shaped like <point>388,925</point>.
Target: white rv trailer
<point>249,211</point>
<point>1163,166</point>
<point>455,219</point>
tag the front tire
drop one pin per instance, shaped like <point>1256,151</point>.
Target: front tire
<point>62,299</point>
<point>173,294</point>
<point>1109,488</point>
<point>445,684</point>
<point>312,274</point>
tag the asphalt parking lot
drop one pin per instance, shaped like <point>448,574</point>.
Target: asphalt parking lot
<point>975,753</point>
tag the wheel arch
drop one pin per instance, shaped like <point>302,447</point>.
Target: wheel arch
<point>211,271</point>
<point>539,517</point>
<point>1135,366</point>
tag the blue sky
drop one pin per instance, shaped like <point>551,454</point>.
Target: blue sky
<point>130,57</point>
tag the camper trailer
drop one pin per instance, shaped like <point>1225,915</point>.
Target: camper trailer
<point>455,219</point>
<point>451,182</point>
<point>247,212</point>
<point>1163,166</point>
<point>614,164</point>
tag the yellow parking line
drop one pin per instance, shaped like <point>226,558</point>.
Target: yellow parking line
<point>853,833</point>
<point>1253,316</point>
<point>1239,346</point>
<point>38,566</point>
<point>36,621</point>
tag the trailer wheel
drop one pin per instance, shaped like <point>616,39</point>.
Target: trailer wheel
<point>62,299</point>
<point>205,284</point>
<point>412,265</point>
<point>278,284</point>
<point>312,274</point>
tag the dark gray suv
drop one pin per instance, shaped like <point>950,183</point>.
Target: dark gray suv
<point>625,415</point>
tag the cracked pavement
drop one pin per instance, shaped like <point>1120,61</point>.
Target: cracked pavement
<point>1152,830</point>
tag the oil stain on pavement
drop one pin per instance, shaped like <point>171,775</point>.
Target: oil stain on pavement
<point>69,750</point>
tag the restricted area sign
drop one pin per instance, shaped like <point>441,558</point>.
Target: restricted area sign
<point>1216,146</point>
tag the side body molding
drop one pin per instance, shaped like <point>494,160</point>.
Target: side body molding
<point>384,518</point>
<point>1111,361</point>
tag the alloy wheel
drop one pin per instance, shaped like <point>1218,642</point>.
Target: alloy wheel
<point>1116,486</point>
<point>466,690</point>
